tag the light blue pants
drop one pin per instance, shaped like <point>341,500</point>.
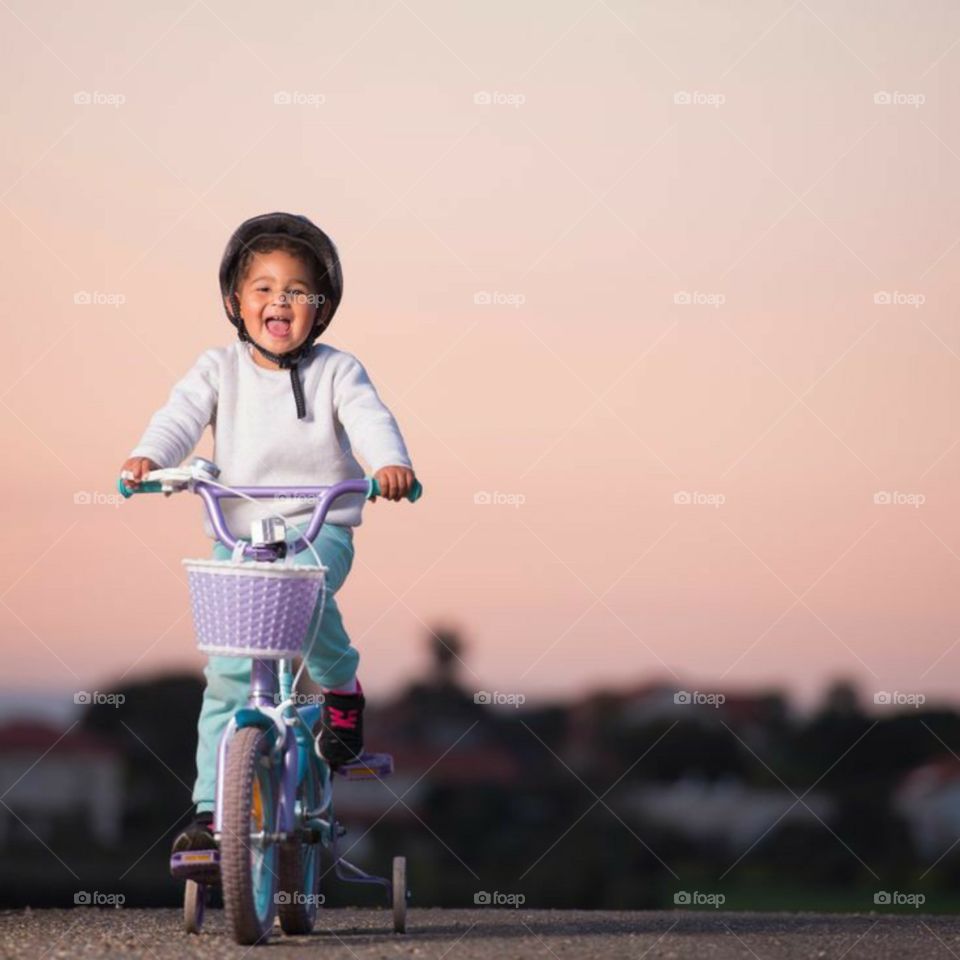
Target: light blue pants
<point>332,662</point>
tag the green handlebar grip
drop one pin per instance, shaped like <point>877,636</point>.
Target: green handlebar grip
<point>150,486</point>
<point>416,491</point>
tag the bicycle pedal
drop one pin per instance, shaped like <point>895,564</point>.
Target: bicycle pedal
<point>368,766</point>
<point>200,865</point>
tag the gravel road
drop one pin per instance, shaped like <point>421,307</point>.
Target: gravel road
<point>364,934</point>
<point>355,934</point>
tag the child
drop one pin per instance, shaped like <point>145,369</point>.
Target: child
<point>281,285</point>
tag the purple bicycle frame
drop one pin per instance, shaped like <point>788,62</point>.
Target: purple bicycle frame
<point>264,677</point>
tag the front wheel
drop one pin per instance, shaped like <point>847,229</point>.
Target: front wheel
<point>248,851</point>
<point>300,864</point>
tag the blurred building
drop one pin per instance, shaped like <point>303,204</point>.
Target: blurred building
<point>928,798</point>
<point>724,812</point>
<point>50,778</point>
<point>602,723</point>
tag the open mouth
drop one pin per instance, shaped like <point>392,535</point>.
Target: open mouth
<point>278,329</point>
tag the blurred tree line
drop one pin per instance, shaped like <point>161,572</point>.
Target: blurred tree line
<point>542,800</point>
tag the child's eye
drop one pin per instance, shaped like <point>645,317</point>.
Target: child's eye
<point>264,289</point>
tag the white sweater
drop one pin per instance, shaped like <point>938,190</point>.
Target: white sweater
<point>258,440</point>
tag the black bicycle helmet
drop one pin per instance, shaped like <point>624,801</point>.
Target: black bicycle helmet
<point>323,254</point>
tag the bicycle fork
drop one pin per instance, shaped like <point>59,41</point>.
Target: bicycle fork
<point>270,684</point>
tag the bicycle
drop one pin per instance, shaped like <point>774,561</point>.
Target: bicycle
<point>274,791</point>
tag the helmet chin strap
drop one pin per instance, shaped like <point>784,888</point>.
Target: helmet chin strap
<point>286,361</point>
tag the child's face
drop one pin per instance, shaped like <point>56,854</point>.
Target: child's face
<point>277,302</point>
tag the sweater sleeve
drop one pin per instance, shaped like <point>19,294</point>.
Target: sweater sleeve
<point>175,429</point>
<point>371,428</point>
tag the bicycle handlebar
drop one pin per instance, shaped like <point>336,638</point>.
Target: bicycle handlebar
<point>174,479</point>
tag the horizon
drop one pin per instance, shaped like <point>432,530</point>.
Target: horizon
<point>18,703</point>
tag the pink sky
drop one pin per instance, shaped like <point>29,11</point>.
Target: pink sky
<point>582,199</point>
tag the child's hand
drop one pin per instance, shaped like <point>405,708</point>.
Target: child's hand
<point>137,467</point>
<point>395,482</point>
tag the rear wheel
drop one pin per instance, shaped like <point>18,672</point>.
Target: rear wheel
<point>300,865</point>
<point>248,858</point>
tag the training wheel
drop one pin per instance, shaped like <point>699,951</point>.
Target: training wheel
<point>400,894</point>
<point>194,900</point>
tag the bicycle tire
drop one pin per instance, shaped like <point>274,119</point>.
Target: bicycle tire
<point>300,867</point>
<point>194,903</point>
<point>399,890</point>
<point>248,870</point>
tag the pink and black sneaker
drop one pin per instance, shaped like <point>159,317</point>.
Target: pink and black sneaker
<point>341,727</point>
<point>197,835</point>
